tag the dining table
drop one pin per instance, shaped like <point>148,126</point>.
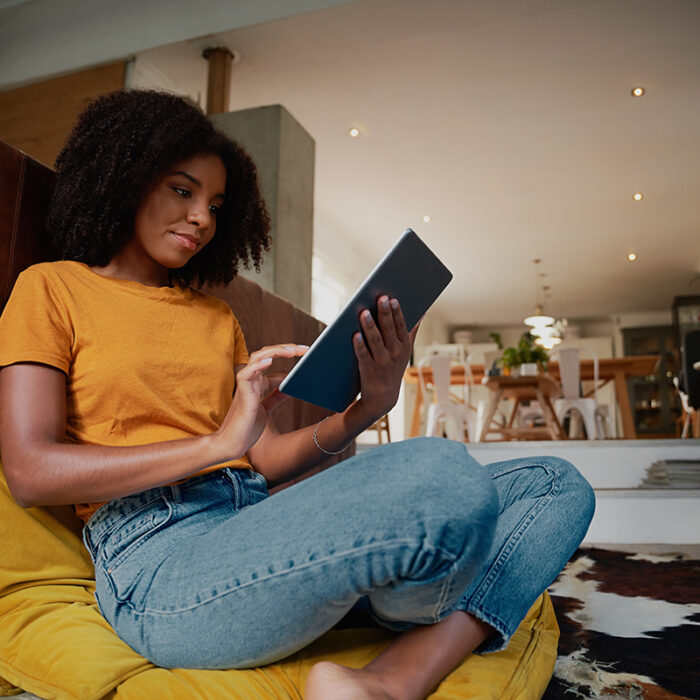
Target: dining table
<point>540,387</point>
<point>610,369</point>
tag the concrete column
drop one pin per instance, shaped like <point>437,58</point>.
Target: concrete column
<point>284,154</point>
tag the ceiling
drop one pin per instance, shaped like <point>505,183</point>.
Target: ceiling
<point>510,124</point>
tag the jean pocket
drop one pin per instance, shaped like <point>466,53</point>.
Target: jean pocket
<point>133,530</point>
<point>254,489</point>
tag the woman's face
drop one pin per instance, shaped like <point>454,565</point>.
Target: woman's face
<point>177,218</point>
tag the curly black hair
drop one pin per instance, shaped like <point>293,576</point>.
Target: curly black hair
<point>123,144</point>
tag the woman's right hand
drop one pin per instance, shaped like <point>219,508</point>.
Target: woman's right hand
<point>252,401</point>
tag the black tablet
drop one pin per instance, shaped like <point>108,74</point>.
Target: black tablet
<point>328,375</point>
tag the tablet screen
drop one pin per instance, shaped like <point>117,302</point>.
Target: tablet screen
<point>328,375</point>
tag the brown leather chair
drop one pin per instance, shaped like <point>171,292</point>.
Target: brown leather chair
<point>25,190</point>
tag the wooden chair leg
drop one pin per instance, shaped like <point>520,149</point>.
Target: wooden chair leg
<point>382,425</point>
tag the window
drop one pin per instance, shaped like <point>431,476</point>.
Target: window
<point>330,289</point>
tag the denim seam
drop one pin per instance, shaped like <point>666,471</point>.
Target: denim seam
<point>228,483</point>
<point>518,533</point>
<point>296,569</point>
<point>439,608</point>
<point>111,528</point>
<point>473,605</point>
<point>113,562</point>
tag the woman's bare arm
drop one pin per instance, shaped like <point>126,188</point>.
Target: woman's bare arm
<point>280,457</point>
<point>382,359</point>
<point>41,469</point>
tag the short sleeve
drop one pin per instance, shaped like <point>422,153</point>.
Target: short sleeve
<point>240,349</point>
<point>34,326</point>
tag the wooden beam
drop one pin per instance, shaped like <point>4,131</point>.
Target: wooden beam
<point>219,82</point>
<point>38,118</point>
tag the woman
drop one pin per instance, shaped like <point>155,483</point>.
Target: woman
<point>126,392</point>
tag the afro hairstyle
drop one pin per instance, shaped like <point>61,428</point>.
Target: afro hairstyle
<point>122,145</point>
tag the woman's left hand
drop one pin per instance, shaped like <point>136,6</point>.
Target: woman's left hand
<point>382,355</point>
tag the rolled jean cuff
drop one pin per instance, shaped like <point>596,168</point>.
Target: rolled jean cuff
<point>501,637</point>
<point>496,642</point>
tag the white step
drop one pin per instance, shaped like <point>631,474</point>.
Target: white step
<point>606,464</point>
<point>624,513</point>
<point>665,516</point>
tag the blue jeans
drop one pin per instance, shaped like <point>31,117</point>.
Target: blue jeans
<point>215,573</point>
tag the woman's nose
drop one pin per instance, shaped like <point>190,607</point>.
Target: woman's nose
<point>198,216</point>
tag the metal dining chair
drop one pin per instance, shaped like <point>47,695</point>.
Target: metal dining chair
<point>593,416</point>
<point>446,414</point>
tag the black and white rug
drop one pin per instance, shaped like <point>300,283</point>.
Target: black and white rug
<point>630,626</point>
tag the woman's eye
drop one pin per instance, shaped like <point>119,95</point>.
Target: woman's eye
<point>183,192</point>
<point>214,209</point>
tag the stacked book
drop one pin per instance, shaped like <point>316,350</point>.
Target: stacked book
<point>673,474</point>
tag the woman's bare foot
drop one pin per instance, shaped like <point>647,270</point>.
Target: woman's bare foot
<point>410,668</point>
<point>327,681</point>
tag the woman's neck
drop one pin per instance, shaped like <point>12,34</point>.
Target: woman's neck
<point>151,276</point>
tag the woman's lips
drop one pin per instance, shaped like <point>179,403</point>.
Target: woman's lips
<point>186,241</point>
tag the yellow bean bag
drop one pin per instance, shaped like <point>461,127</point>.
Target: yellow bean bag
<point>54,642</point>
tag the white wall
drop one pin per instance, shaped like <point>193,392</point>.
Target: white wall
<point>611,327</point>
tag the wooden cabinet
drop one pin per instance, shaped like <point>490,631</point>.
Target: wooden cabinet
<point>655,403</point>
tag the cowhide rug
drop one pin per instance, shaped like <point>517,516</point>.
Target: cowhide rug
<point>630,627</point>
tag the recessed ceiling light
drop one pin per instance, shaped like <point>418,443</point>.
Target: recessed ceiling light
<point>637,92</point>
<point>354,132</point>
<point>638,196</point>
<point>631,257</point>
<point>426,219</point>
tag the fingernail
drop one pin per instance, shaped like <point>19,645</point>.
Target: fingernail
<point>367,316</point>
<point>303,347</point>
<point>384,303</point>
<point>394,303</point>
<point>266,361</point>
<point>358,338</point>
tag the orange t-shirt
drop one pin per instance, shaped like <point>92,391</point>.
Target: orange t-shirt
<point>143,364</point>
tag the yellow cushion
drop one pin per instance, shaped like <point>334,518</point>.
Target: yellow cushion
<point>55,644</point>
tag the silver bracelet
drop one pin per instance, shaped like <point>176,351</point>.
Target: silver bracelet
<point>328,452</point>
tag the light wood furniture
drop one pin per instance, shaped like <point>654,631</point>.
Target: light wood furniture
<point>38,118</point>
<point>381,426</point>
<point>541,388</point>
<point>615,369</point>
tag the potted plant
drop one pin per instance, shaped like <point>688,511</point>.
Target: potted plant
<point>526,358</point>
